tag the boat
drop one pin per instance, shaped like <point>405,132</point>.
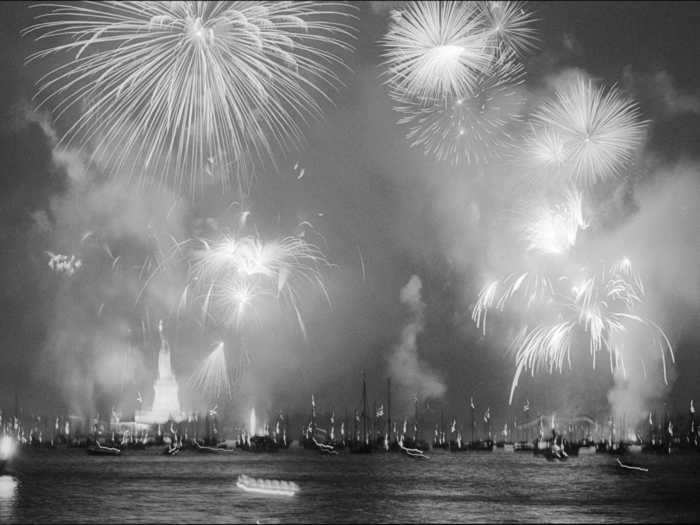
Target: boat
<point>172,450</point>
<point>631,467</point>
<point>523,446</point>
<point>363,446</point>
<point>211,450</point>
<point>413,452</point>
<point>325,450</point>
<point>634,448</point>
<point>556,453</point>
<point>99,450</point>
<point>272,487</point>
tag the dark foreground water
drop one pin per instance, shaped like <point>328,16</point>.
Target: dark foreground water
<point>70,486</point>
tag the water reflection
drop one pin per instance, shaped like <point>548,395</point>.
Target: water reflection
<point>8,497</point>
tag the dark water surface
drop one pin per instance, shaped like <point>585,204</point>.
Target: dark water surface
<point>70,486</point>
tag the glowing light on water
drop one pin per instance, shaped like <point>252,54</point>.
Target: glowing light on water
<point>8,488</point>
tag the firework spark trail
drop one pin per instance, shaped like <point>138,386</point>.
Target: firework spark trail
<point>474,125</point>
<point>189,89</point>
<point>533,287</point>
<point>435,49</point>
<point>212,375</point>
<point>597,130</point>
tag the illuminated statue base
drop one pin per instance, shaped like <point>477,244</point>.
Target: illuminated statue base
<point>166,405</point>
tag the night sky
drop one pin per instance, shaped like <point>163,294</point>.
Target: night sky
<point>371,199</point>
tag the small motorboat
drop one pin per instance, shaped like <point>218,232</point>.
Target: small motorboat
<point>99,450</point>
<point>631,467</point>
<point>271,487</point>
<point>212,450</point>
<point>326,450</point>
<point>556,453</point>
<point>172,450</point>
<point>413,452</point>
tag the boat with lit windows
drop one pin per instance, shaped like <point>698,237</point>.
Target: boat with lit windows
<point>271,487</point>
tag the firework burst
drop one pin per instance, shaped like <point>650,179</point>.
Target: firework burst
<point>436,49</point>
<point>511,26</point>
<point>212,375</point>
<point>603,309</point>
<point>595,130</point>
<point>474,126</point>
<point>191,90</point>
<point>234,271</point>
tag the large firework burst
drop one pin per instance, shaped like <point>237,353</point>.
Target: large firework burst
<point>189,91</point>
<point>588,130</point>
<point>436,49</point>
<point>510,25</point>
<point>474,126</point>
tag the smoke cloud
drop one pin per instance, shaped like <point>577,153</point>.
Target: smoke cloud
<point>411,373</point>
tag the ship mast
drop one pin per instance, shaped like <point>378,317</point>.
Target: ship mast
<point>388,408</point>
<point>364,408</point>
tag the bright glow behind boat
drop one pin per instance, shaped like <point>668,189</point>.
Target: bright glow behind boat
<point>252,421</point>
<point>7,447</point>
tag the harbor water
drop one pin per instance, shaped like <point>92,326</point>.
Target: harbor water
<point>141,486</point>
